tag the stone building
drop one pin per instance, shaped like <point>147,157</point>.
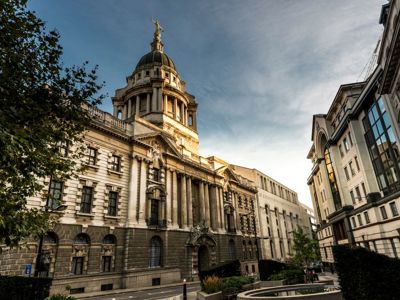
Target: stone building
<point>279,213</point>
<point>148,210</point>
<point>355,178</point>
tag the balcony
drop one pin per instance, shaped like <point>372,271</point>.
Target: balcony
<point>156,223</point>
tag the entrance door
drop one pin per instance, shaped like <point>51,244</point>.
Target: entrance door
<point>203,258</point>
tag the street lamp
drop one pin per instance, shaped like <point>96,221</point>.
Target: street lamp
<point>40,247</point>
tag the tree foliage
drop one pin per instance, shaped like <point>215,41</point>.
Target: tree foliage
<point>305,248</point>
<point>42,106</point>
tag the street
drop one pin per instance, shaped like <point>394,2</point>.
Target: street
<point>152,294</point>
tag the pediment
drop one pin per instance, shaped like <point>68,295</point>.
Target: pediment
<point>159,143</point>
<point>228,174</point>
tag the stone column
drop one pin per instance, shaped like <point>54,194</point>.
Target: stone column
<point>221,201</point>
<point>169,195</point>
<point>235,205</point>
<point>207,204</point>
<point>154,100</point>
<point>115,111</point>
<point>165,103</point>
<point>175,107</point>
<point>132,192</point>
<point>129,108</point>
<point>148,107</point>
<point>143,186</point>
<point>137,105</point>
<point>189,200</point>
<point>183,113</point>
<point>201,201</point>
<point>217,207</point>
<point>174,199</point>
<point>183,202</point>
<point>186,117</point>
<point>124,112</point>
<point>213,209</point>
<point>160,100</point>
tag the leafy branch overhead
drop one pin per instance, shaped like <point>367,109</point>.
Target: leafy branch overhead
<point>42,107</point>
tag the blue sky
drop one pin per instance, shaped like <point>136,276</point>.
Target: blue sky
<point>259,69</point>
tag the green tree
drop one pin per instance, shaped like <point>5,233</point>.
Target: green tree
<point>305,249</point>
<point>43,105</point>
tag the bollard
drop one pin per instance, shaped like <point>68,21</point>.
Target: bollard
<point>184,290</point>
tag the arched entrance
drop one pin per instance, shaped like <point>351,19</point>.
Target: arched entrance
<point>203,258</point>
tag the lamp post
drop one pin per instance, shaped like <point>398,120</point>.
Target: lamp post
<point>40,246</point>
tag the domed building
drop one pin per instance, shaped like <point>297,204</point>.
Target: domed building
<point>149,209</point>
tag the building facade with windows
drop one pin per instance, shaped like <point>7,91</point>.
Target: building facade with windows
<point>279,212</point>
<point>355,178</point>
<point>148,209</point>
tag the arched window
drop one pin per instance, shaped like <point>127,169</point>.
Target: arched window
<point>109,239</point>
<point>155,252</point>
<point>119,115</point>
<point>232,249</point>
<point>50,238</point>
<point>82,238</point>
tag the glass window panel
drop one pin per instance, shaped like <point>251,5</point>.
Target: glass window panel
<point>374,111</point>
<point>386,120</point>
<point>381,105</point>
<point>375,131</point>
<point>371,118</point>
<point>392,138</point>
<point>379,127</point>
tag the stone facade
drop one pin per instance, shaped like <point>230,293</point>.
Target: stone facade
<point>148,209</point>
<point>355,179</point>
<point>278,212</point>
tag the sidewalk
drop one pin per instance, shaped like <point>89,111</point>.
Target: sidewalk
<point>326,276</point>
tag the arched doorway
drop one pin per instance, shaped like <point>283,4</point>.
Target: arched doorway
<point>203,258</point>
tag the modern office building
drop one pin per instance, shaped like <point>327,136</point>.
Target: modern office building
<point>355,178</point>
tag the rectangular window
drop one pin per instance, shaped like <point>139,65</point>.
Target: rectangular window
<point>350,140</point>
<point>346,145</point>
<point>359,198</point>
<point>357,165</point>
<point>353,199</point>
<point>156,174</point>
<point>92,156</point>
<point>116,163</point>
<point>353,221</point>
<point>86,200</point>
<point>383,212</point>
<point>359,220</point>
<point>112,203</point>
<point>106,263</point>
<point>63,148</point>
<point>351,168</point>
<point>366,217</point>
<point>55,195</point>
<point>363,188</point>
<point>77,265</point>
<point>346,172</point>
<point>393,208</point>
<point>170,106</point>
<point>341,150</point>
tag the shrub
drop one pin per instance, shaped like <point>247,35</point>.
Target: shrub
<point>211,284</point>
<point>287,274</point>
<point>228,269</point>
<point>24,288</point>
<point>60,297</point>
<point>367,275</point>
<point>234,284</point>
<point>268,267</point>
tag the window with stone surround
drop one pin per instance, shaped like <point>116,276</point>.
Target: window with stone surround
<point>108,253</point>
<point>77,265</point>
<point>116,163</point>
<point>393,208</point>
<point>80,254</point>
<point>383,212</point>
<point>86,200</point>
<point>366,217</point>
<point>112,203</point>
<point>155,257</point>
<point>91,156</point>
<point>55,194</point>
